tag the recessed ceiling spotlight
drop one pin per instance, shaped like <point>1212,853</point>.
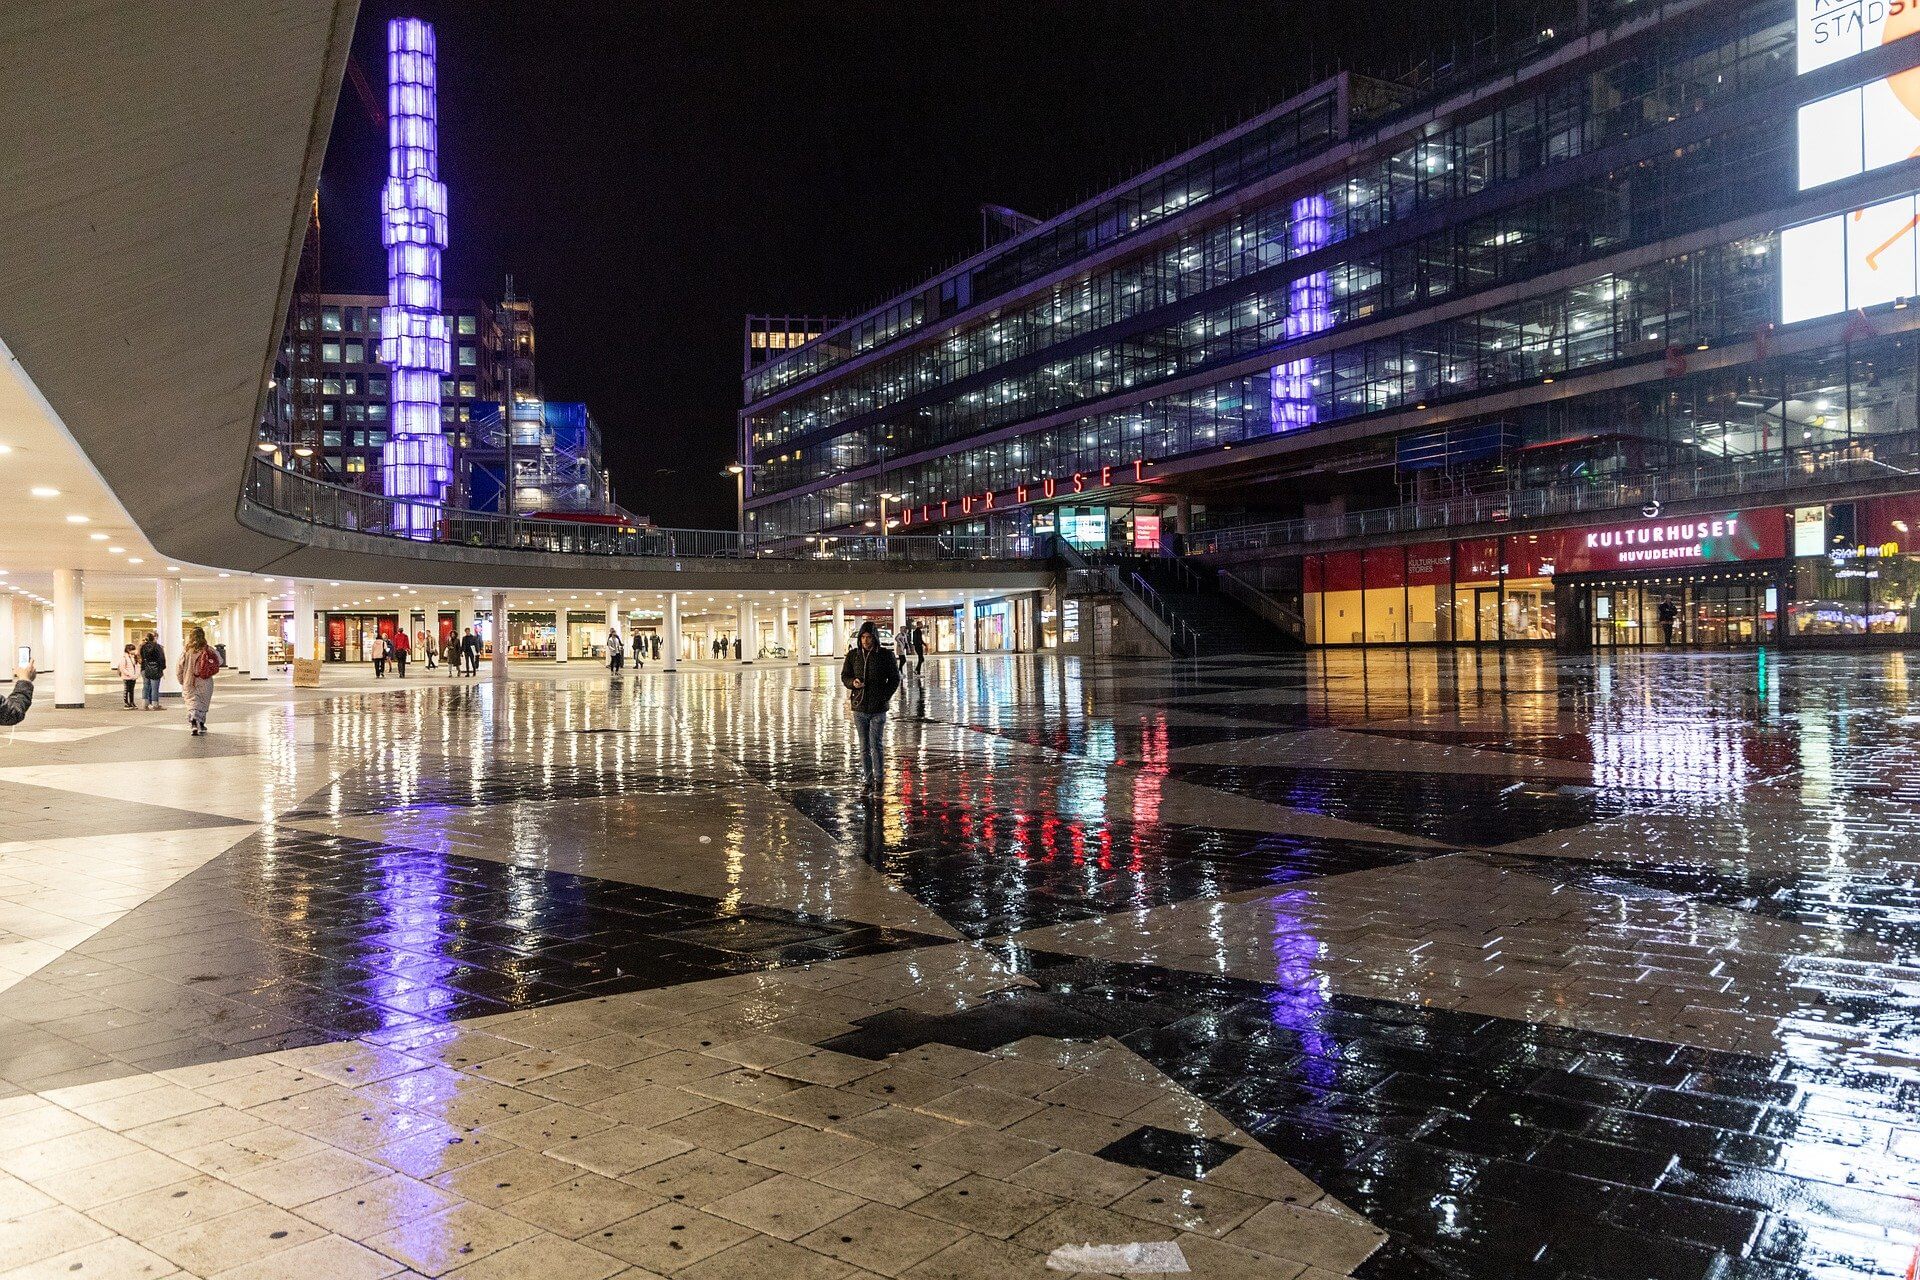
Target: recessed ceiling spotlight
<point>5,449</point>
<point>76,518</point>
<point>173,568</point>
<point>44,491</point>
<point>136,560</point>
<point>116,551</point>
<point>98,537</point>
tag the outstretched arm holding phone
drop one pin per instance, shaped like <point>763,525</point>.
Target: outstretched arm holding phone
<point>13,708</point>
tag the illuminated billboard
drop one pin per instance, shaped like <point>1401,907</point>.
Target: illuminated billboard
<point>1848,261</point>
<point>1860,130</point>
<point>1867,257</point>
<point>1831,31</point>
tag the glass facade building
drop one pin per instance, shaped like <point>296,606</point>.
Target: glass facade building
<point>1676,240</point>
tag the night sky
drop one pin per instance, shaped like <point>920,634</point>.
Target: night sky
<point>652,172</point>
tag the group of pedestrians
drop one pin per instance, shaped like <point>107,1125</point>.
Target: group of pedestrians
<point>395,649</point>
<point>642,647</point>
<point>143,665</point>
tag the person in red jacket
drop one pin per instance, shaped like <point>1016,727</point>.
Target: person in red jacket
<point>401,648</point>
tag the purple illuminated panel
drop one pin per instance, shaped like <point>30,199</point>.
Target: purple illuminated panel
<point>416,464</point>
<point>1308,312</point>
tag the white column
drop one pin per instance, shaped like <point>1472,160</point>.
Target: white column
<point>70,636</point>
<point>749,632</point>
<point>8,645</point>
<point>233,635</point>
<point>670,645</point>
<point>462,623</point>
<point>257,635</point>
<point>837,642</point>
<point>116,635</point>
<point>786,624</point>
<point>560,637</point>
<point>306,630</point>
<point>806,630</point>
<point>47,646</point>
<point>498,667</point>
<point>969,632</point>
<point>899,612</point>
<point>166,628</point>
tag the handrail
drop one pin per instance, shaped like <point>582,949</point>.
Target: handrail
<point>1174,635</point>
<point>320,504</point>
<point>1872,458</point>
<point>1274,613</point>
<point>1184,640</point>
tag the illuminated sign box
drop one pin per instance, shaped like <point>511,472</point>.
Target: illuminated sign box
<point>1672,542</point>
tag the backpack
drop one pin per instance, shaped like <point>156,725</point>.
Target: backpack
<point>206,666</point>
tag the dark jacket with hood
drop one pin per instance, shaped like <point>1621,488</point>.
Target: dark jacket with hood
<point>879,672</point>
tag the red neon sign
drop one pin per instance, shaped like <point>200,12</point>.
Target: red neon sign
<point>1017,495</point>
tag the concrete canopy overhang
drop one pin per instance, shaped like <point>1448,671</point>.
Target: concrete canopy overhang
<point>155,177</point>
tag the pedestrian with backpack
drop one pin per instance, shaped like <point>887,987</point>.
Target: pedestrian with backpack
<point>153,665</point>
<point>198,666</point>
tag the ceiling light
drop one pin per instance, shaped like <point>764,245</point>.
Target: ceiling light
<point>6,448</point>
<point>136,560</point>
<point>77,519</point>
<point>98,537</point>
<point>116,551</point>
<point>265,446</point>
<point>173,568</point>
<point>42,491</point>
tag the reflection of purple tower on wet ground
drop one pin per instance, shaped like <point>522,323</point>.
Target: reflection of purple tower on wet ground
<point>416,464</point>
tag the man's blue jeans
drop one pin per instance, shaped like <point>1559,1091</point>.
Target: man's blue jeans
<point>872,728</point>
<point>150,690</point>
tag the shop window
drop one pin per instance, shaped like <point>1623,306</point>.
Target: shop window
<point>1385,594</point>
<point>1342,601</point>
<point>1430,592</point>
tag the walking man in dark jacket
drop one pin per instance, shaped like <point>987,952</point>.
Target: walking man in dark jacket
<point>470,647</point>
<point>13,708</point>
<point>872,677</point>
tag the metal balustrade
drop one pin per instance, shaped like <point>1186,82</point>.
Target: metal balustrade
<point>1750,479</point>
<point>330,506</point>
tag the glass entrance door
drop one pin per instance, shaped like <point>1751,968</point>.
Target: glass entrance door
<point>1486,614</point>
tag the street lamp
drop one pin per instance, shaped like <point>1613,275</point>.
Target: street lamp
<point>885,498</point>
<point>739,473</point>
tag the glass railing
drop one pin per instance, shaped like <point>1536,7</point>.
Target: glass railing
<point>277,492</point>
<point>1773,477</point>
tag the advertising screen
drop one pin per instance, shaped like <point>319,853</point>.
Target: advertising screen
<point>1867,257</point>
<point>1830,31</point>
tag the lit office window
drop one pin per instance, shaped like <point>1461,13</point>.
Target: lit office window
<point>469,357</point>
<point>330,319</point>
<point>330,352</point>
<point>468,387</point>
<point>356,353</point>
<point>356,466</point>
<point>467,326</point>
<point>330,386</point>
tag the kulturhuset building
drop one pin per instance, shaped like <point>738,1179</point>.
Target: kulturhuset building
<point>1604,341</point>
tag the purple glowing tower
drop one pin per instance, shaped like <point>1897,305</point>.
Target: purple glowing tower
<point>416,465</point>
<point>1290,389</point>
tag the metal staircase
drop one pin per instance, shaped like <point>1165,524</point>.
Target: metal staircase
<point>1223,613</point>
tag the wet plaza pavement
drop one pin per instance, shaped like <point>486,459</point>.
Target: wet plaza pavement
<point>1396,965</point>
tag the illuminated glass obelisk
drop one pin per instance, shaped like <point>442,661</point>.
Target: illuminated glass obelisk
<point>416,464</point>
<point>1290,386</point>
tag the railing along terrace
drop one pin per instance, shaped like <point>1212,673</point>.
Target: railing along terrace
<point>1746,479</point>
<point>330,506</point>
